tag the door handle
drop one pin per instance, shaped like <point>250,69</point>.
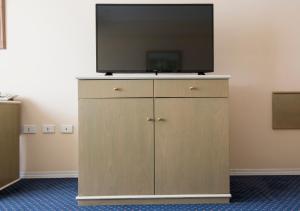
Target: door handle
<point>150,119</point>
<point>160,119</point>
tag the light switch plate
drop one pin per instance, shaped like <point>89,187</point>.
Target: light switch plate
<point>48,129</point>
<point>29,129</point>
<point>67,129</point>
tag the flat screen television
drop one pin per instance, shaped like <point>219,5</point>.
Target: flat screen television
<point>147,38</point>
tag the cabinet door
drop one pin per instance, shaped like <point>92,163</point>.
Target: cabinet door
<point>191,146</point>
<point>9,142</point>
<point>116,147</point>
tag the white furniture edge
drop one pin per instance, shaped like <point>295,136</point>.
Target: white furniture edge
<point>49,174</point>
<point>9,184</point>
<point>264,172</point>
<point>10,102</point>
<point>190,196</point>
<point>101,76</point>
<point>233,172</point>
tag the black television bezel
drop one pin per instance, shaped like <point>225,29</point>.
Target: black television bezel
<point>110,72</point>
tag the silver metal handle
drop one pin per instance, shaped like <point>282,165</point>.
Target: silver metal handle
<point>192,88</point>
<point>117,89</point>
<point>150,119</point>
<point>160,119</point>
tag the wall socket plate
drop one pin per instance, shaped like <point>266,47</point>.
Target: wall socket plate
<point>29,129</point>
<point>48,129</point>
<point>67,129</point>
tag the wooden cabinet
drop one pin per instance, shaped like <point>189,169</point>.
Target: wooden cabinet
<point>9,142</point>
<point>153,141</point>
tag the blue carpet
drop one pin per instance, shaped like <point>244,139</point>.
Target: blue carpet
<point>249,193</point>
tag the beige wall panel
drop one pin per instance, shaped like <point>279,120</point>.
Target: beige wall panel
<point>286,110</point>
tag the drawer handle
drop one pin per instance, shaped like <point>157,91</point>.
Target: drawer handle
<point>117,89</point>
<point>160,119</point>
<point>150,119</point>
<point>192,88</point>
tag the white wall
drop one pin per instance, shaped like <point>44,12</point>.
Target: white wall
<point>52,41</point>
<point>49,43</point>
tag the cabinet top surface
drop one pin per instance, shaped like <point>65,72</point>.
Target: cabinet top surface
<point>150,76</point>
<point>10,102</point>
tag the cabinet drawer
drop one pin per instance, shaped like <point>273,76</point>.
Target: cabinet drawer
<point>191,88</point>
<point>115,88</point>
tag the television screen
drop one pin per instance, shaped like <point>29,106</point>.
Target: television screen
<point>154,38</point>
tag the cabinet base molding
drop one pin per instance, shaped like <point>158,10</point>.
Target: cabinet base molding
<point>9,184</point>
<point>154,199</point>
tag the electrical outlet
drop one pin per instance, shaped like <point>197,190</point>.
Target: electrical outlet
<point>29,129</point>
<point>66,129</point>
<point>48,129</point>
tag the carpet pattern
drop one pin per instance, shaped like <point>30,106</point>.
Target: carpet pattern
<point>249,193</point>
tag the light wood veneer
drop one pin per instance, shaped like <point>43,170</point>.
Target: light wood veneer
<point>116,147</point>
<point>190,88</point>
<point>9,142</point>
<point>2,25</point>
<point>115,88</point>
<point>191,146</point>
<point>158,141</point>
